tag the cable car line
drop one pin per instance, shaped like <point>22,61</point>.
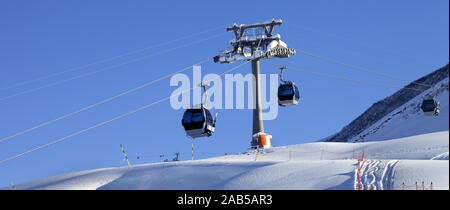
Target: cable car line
<point>105,60</point>
<point>430,106</point>
<point>366,43</point>
<point>360,68</point>
<point>342,78</point>
<point>109,67</point>
<point>101,102</point>
<point>353,66</point>
<point>108,121</point>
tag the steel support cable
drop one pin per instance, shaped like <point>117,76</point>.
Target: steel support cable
<point>360,68</point>
<point>108,121</point>
<point>99,103</point>
<point>105,60</point>
<point>366,43</point>
<point>109,67</point>
<point>342,78</point>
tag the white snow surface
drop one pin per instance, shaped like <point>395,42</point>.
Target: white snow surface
<point>312,166</point>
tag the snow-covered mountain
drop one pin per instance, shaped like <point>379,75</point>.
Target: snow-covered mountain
<point>400,115</point>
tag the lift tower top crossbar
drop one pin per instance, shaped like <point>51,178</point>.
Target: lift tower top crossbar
<point>247,47</point>
<point>239,31</point>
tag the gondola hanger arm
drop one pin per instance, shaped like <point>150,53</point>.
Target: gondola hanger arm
<point>203,85</point>
<point>281,73</point>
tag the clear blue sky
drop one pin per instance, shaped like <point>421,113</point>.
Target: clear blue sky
<point>407,39</point>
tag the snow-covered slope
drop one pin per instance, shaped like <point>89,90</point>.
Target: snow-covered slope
<point>405,103</point>
<point>409,120</point>
<point>318,165</point>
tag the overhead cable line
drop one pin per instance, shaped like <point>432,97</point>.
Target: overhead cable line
<point>341,78</point>
<point>107,68</point>
<point>108,121</point>
<point>368,44</point>
<point>353,66</point>
<point>105,60</point>
<point>101,102</point>
<point>359,68</point>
